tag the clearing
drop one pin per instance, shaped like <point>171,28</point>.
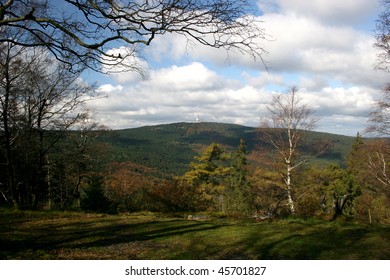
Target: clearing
<point>72,235</point>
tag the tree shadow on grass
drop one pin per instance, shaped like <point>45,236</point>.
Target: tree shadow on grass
<point>300,241</point>
<point>146,231</point>
<point>322,243</point>
<point>85,235</point>
<point>119,237</point>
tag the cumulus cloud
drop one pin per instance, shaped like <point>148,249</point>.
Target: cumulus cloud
<point>328,11</point>
<point>193,77</point>
<point>177,49</point>
<point>313,83</point>
<point>352,101</point>
<point>303,45</point>
<point>196,90</point>
<point>131,69</point>
<point>107,88</point>
<point>299,42</point>
<point>265,79</point>
<point>179,94</point>
<point>316,45</point>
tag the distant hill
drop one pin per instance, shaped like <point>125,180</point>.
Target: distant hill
<point>171,147</point>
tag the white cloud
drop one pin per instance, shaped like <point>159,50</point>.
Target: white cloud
<point>107,88</point>
<point>193,77</point>
<point>353,101</point>
<point>328,11</point>
<point>316,46</point>
<point>131,69</point>
<point>299,44</point>
<point>304,45</point>
<point>342,124</point>
<point>312,83</point>
<point>170,46</point>
<point>177,94</point>
<point>178,48</point>
<point>265,79</point>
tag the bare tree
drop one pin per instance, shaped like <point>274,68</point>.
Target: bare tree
<point>288,121</point>
<point>379,118</point>
<point>39,102</point>
<point>82,32</point>
<point>383,36</point>
<point>11,70</point>
<point>376,158</point>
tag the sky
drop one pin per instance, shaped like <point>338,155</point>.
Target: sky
<point>324,47</point>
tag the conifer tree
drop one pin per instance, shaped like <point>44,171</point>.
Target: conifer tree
<point>237,185</point>
<point>207,178</point>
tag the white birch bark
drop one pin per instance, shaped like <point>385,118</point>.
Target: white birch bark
<point>289,119</point>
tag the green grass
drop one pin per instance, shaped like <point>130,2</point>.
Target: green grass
<point>61,235</point>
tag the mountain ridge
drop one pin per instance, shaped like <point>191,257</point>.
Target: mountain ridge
<point>171,147</point>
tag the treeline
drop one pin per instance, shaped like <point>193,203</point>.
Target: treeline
<point>354,190</point>
<point>42,162</point>
<point>229,184</point>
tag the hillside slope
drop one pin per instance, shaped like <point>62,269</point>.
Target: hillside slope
<point>171,147</point>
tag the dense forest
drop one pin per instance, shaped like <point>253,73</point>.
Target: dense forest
<point>233,169</point>
<point>170,147</point>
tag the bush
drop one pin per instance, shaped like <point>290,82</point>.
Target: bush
<point>373,209</point>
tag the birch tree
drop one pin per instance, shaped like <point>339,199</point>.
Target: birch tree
<point>377,158</point>
<point>285,127</point>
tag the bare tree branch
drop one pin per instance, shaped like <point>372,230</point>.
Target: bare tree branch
<point>379,118</point>
<point>383,37</point>
<point>82,32</point>
<point>377,163</point>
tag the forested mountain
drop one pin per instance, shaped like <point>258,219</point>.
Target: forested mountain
<point>171,147</point>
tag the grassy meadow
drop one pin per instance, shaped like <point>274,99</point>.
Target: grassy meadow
<point>69,235</point>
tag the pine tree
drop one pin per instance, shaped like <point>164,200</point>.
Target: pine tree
<point>206,177</point>
<point>237,185</point>
<point>354,159</point>
<point>95,198</point>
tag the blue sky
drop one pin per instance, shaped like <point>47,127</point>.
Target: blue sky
<point>325,47</point>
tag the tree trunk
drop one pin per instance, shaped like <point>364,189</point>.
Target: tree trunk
<point>339,204</point>
<point>8,137</point>
<point>289,190</point>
